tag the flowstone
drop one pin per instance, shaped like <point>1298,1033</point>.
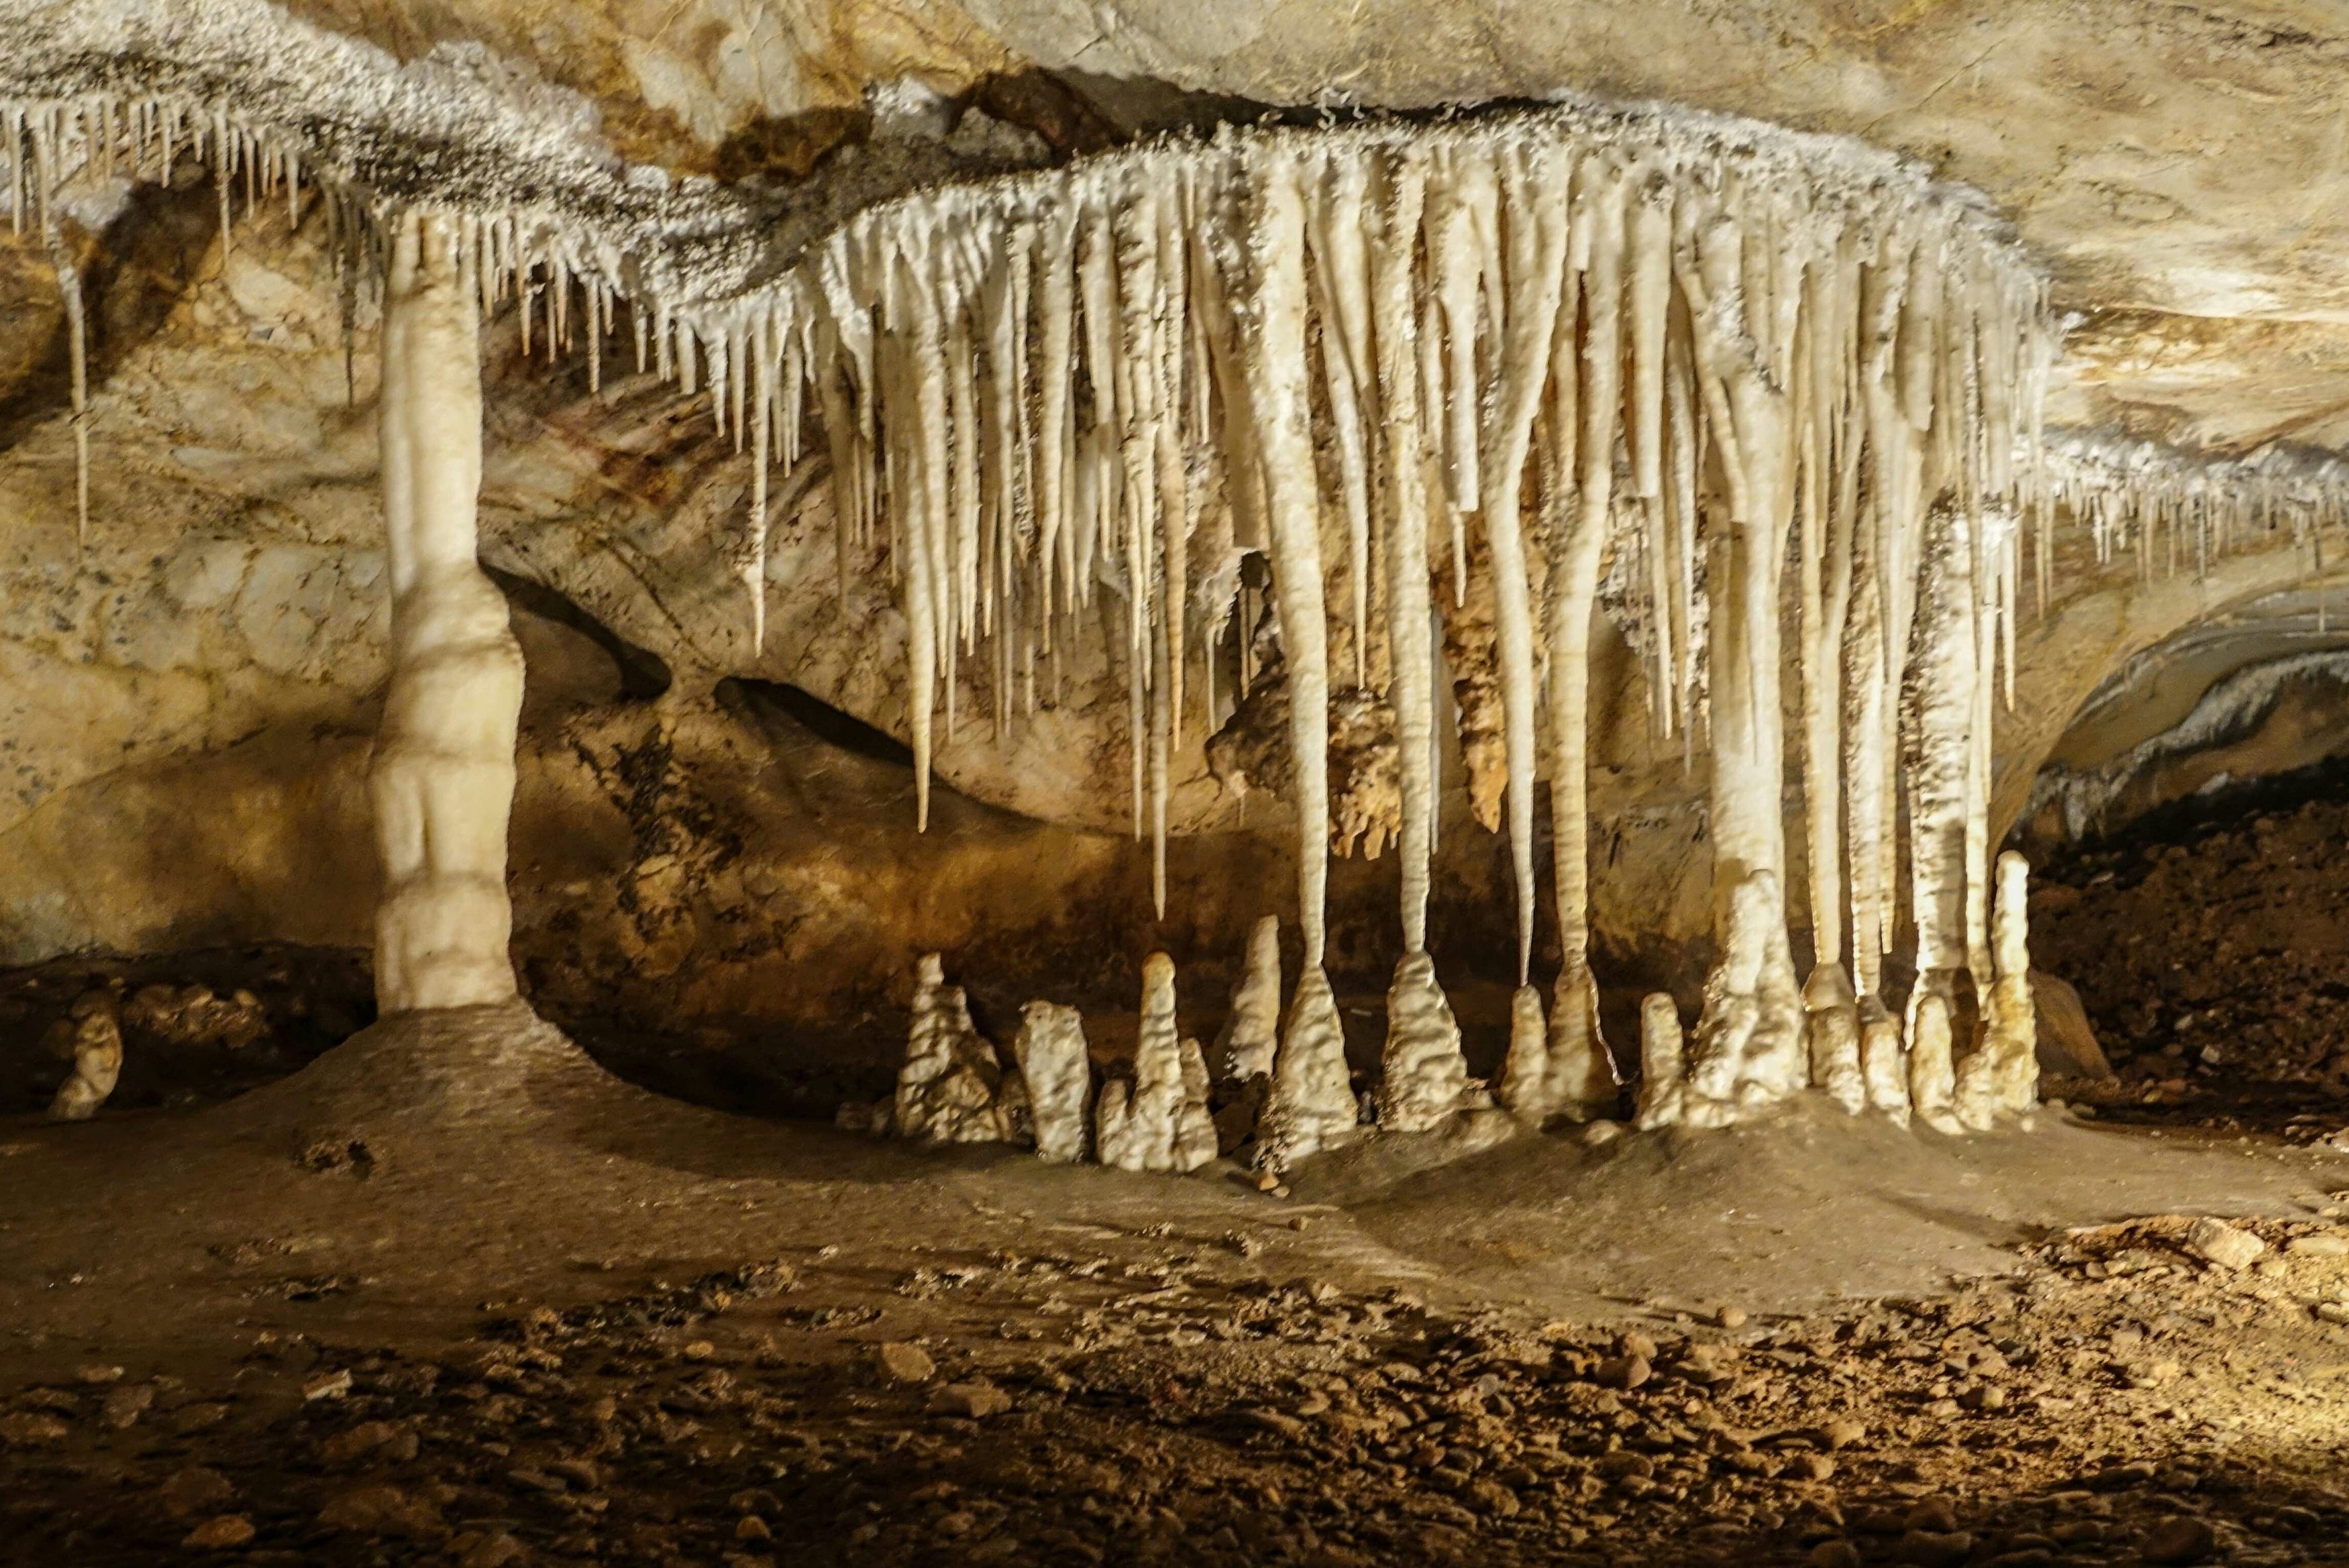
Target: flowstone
<point>1054,1061</point>
<point>952,1087</point>
<point>1158,1120</point>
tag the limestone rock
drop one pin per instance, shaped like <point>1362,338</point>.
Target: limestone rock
<point>1054,1061</point>
<point>93,1037</point>
<point>947,1089</point>
<point>1423,1080</point>
<point>2218,1241</point>
<point>2065,1041</point>
<point>1312,1106</point>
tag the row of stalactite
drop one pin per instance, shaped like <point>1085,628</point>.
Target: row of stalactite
<point>1771,387</point>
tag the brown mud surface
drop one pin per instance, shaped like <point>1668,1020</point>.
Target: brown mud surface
<point>452,1295</point>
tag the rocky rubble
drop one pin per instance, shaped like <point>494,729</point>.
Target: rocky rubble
<point>2215,971</point>
<point>2121,1398</point>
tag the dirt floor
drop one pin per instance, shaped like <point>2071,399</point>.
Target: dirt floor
<point>452,1294</point>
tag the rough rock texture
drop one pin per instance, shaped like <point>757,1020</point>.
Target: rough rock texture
<point>1423,1080</point>
<point>93,1038</point>
<point>1053,1062</point>
<point>951,1088</point>
<point>1158,1119</point>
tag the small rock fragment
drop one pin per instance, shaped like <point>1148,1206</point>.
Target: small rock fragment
<point>977,1400</point>
<point>2219,1242</point>
<point>219,1534</point>
<point>903,1363</point>
<point>2180,1541</point>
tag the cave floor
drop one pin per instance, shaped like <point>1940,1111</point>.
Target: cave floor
<point>515,1311</point>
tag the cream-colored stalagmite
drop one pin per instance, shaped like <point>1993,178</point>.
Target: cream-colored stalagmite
<point>1932,1078</point>
<point>92,1034</point>
<point>1661,1065</point>
<point>442,778</point>
<point>2000,1076</point>
<point>1423,1080</point>
<point>1158,1120</point>
<point>1250,1036</point>
<point>1052,1056</point>
<point>949,1089</point>
<point>1883,1061</point>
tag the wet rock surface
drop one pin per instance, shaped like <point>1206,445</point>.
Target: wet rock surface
<point>2117,1399</point>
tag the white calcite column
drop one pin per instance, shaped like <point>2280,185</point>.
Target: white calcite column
<point>2001,1078</point>
<point>1055,1060</point>
<point>442,778</point>
<point>1525,1086</point>
<point>1883,1061</point>
<point>1932,1080</point>
<point>1834,1024</point>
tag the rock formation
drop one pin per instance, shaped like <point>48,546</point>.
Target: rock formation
<point>951,1088</point>
<point>1158,1119</point>
<point>1054,1061</point>
<point>1423,1080</point>
<point>92,1036</point>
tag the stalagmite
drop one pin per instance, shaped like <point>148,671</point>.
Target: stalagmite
<point>1525,1086</point>
<point>948,1089</point>
<point>1662,1089</point>
<point>2000,1076</point>
<point>1250,1037</point>
<point>1932,1083</point>
<point>442,778</point>
<point>1749,1049</point>
<point>1883,1061</point>
<point>1423,1080</point>
<point>92,1033</point>
<point>1312,1106</point>
<point>1051,1053</point>
<point>1157,1121</point>
<point>1833,1022</point>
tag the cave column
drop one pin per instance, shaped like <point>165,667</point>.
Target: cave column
<point>442,779</point>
